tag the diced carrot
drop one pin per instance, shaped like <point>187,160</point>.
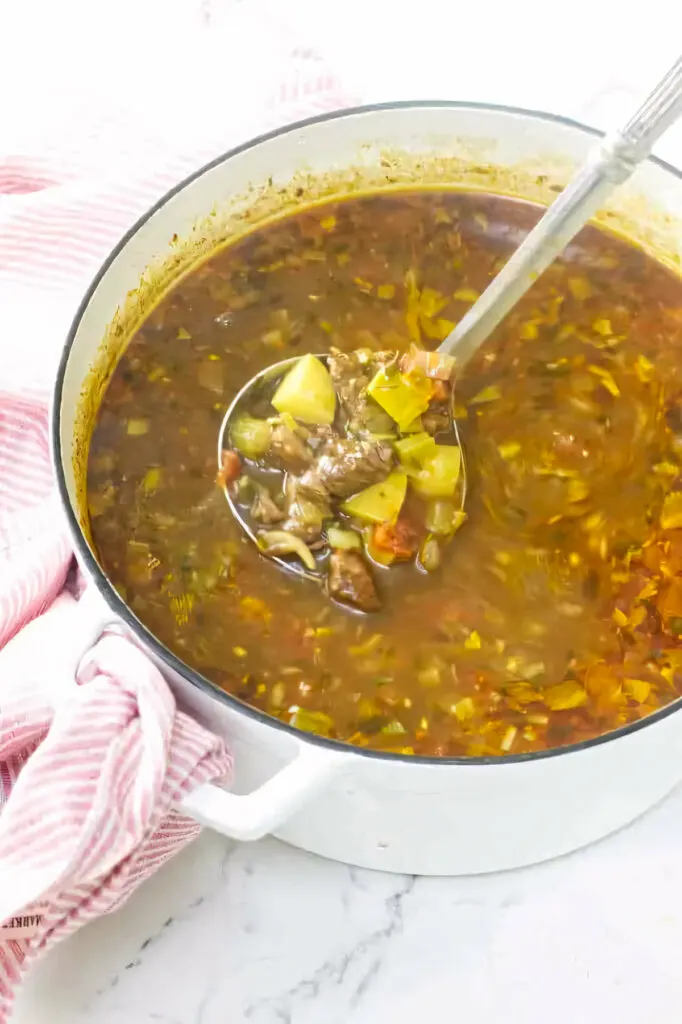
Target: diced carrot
<point>399,538</point>
<point>231,468</point>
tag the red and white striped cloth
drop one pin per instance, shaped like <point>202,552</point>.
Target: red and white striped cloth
<point>89,778</point>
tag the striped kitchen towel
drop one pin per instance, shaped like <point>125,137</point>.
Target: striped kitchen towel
<point>89,775</point>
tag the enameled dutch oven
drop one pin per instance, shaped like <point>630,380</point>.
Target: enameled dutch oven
<point>396,813</point>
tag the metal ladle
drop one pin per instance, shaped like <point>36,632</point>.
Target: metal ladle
<point>262,382</point>
<point>610,163</point>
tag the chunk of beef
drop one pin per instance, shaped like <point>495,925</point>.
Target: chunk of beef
<point>312,483</point>
<point>318,437</point>
<point>351,373</point>
<point>350,581</point>
<point>288,450</point>
<point>437,418</point>
<point>346,465</point>
<point>350,376</point>
<point>307,507</point>
<point>264,509</point>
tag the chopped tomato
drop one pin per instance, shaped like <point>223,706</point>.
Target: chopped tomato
<point>670,600</point>
<point>231,468</point>
<point>435,365</point>
<point>399,538</point>
<point>441,391</point>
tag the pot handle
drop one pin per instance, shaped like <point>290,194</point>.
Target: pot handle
<point>256,814</point>
<point>240,817</point>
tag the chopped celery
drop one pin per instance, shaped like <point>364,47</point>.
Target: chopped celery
<point>394,728</point>
<point>288,420</point>
<point>151,479</point>
<point>403,397</point>
<point>415,447</point>
<point>137,427</point>
<point>251,436</point>
<point>380,503</point>
<point>439,473</point>
<point>311,721</point>
<point>440,516</point>
<point>343,540</point>
<point>307,392</point>
<point>377,421</point>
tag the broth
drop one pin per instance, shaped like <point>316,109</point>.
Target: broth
<point>557,612</point>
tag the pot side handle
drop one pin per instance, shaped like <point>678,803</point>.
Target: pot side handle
<point>245,817</point>
<point>260,812</point>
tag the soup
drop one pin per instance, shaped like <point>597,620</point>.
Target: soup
<point>555,614</point>
<point>353,457</point>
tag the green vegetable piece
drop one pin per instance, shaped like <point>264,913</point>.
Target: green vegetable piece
<point>430,554</point>
<point>439,473</point>
<point>377,421</point>
<point>250,436</point>
<point>312,721</point>
<point>440,516</point>
<point>135,428</point>
<point>380,503</point>
<point>151,479</point>
<point>415,447</point>
<point>404,398</point>
<point>343,540</point>
<point>307,392</point>
<point>415,427</point>
<point>288,421</point>
<point>443,518</point>
<point>394,728</point>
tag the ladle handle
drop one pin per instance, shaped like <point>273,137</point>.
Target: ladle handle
<point>608,164</point>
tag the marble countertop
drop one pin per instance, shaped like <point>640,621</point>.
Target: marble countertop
<point>262,933</point>
<point>265,934</point>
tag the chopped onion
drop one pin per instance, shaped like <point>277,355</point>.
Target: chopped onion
<point>281,542</point>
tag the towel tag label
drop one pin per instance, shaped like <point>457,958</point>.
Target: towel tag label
<point>23,926</point>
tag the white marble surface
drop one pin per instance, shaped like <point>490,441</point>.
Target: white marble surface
<point>265,934</point>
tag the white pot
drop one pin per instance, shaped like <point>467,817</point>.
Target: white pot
<point>404,814</point>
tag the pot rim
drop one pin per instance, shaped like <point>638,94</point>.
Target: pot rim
<point>111,596</point>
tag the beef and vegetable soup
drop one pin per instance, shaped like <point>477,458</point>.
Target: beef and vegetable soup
<point>351,449</point>
<point>549,614</point>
